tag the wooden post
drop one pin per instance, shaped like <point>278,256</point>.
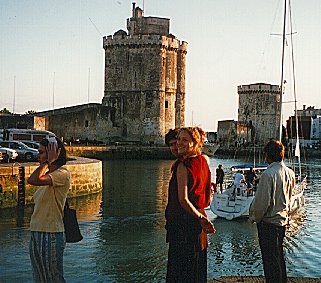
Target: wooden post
<point>21,187</point>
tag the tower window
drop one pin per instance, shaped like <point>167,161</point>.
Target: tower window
<point>86,123</point>
<point>166,104</point>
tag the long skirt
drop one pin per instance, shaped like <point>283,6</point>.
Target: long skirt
<point>186,263</point>
<point>46,254</point>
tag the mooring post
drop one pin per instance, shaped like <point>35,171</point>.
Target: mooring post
<point>21,187</point>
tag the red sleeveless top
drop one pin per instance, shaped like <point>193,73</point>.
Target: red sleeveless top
<point>199,186</point>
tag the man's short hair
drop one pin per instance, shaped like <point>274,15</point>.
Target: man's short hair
<point>171,135</point>
<point>274,150</point>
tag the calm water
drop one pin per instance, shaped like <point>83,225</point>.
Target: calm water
<point>124,236</point>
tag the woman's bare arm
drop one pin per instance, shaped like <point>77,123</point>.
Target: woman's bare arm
<point>185,202</point>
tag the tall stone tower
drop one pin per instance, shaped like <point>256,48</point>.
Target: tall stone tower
<point>145,79</point>
<point>259,109</point>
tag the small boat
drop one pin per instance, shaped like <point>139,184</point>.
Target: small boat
<point>210,148</point>
<point>228,205</point>
<point>223,205</point>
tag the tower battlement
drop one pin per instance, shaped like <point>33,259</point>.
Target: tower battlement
<point>258,88</point>
<point>143,40</point>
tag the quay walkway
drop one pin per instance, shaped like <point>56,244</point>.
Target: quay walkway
<point>260,279</point>
<point>86,177</point>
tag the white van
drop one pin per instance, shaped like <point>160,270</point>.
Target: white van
<point>24,135</point>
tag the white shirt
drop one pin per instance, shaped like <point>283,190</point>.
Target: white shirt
<point>272,199</point>
<point>238,178</point>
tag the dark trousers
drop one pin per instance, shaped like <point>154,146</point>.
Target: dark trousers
<point>271,244</point>
<point>186,263</point>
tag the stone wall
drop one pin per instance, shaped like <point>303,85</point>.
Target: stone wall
<point>86,179</point>
<point>259,107</point>
<point>89,121</point>
<point>145,79</point>
<point>22,122</point>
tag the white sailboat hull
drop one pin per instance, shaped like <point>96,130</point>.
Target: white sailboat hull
<point>223,205</point>
<point>297,200</point>
<point>226,207</point>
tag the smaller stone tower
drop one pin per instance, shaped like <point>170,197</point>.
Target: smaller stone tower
<point>259,109</point>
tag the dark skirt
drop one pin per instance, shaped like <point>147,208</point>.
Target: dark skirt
<point>187,253</point>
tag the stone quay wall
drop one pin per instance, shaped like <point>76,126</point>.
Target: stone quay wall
<point>121,152</point>
<point>86,179</point>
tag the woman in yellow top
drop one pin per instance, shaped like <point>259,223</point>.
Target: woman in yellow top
<point>47,240</point>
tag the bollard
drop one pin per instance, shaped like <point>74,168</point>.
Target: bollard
<point>21,187</point>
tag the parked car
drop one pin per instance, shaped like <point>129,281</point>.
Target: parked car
<point>24,152</point>
<point>31,144</point>
<point>8,154</point>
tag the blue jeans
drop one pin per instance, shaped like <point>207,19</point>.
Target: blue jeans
<point>271,244</point>
<point>46,254</point>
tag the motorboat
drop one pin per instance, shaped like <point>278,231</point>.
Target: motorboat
<point>210,148</point>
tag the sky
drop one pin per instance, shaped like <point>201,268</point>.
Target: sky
<point>51,53</point>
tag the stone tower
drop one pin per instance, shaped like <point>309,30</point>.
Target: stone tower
<point>145,79</point>
<point>259,109</point>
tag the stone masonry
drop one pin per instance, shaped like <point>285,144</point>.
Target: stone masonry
<point>259,109</point>
<point>145,79</point>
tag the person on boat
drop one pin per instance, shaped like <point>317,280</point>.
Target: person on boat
<point>47,241</point>
<point>186,222</point>
<point>270,210</point>
<point>220,177</point>
<point>250,178</point>
<point>171,140</point>
<point>239,179</point>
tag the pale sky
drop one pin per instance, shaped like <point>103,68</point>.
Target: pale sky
<point>51,52</point>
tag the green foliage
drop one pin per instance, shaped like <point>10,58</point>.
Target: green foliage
<point>30,112</point>
<point>5,111</point>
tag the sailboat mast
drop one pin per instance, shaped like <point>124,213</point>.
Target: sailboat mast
<point>297,146</point>
<point>282,71</point>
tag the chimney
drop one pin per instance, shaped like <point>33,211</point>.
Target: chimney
<point>134,4</point>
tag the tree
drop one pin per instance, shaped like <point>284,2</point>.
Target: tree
<point>5,111</point>
<point>30,112</point>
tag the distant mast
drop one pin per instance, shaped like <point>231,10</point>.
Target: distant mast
<point>88,84</point>
<point>282,73</point>
<point>14,95</point>
<point>53,91</point>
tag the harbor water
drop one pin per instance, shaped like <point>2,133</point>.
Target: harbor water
<point>124,235</point>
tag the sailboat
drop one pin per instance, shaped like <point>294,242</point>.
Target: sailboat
<point>228,205</point>
<point>297,200</point>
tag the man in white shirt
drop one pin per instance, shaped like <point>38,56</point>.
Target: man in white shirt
<point>239,179</point>
<point>270,210</point>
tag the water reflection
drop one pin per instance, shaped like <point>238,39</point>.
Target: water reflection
<point>88,207</point>
<point>124,235</point>
<point>135,188</point>
<point>132,233</point>
<point>233,243</point>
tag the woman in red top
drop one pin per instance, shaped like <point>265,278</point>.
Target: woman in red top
<point>186,222</point>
